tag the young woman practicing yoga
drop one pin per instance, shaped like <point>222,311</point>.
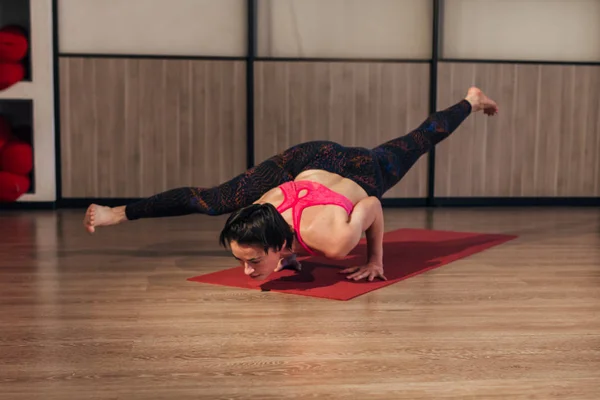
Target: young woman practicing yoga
<point>314,198</point>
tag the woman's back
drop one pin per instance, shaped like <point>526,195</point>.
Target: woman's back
<point>315,219</point>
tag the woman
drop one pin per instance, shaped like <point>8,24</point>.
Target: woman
<point>314,198</point>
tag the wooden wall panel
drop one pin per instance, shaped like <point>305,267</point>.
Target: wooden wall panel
<point>135,127</point>
<point>354,104</point>
<point>545,142</point>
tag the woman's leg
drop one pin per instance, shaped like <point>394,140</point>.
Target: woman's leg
<point>227,197</point>
<point>397,156</point>
<point>232,195</point>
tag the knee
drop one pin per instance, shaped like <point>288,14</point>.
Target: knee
<point>213,212</point>
<point>203,201</point>
<point>200,206</point>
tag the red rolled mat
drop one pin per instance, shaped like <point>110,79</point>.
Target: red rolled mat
<point>10,74</point>
<point>16,157</point>
<point>13,44</point>
<point>5,132</point>
<point>407,252</point>
<point>12,186</point>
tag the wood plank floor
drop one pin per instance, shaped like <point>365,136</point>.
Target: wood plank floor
<point>111,316</point>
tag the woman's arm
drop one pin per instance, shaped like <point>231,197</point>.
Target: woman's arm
<point>335,238</point>
<point>367,217</point>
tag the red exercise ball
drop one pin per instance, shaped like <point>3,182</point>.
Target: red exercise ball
<point>12,186</point>
<point>10,74</point>
<point>17,158</point>
<point>13,44</point>
<point>5,132</point>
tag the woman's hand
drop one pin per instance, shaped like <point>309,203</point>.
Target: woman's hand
<point>371,270</point>
<point>289,262</point>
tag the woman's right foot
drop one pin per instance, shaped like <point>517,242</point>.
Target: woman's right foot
<point>102,216</point>
<point>479,101</point>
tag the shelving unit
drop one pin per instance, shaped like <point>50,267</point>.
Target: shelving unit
<point>31,101</point>
<point>19,114</point>
<point>17,12</point>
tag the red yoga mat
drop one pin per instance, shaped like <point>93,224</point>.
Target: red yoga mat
<point>13,44</point>
<point>12,186</point>
<point>11,74</point>
<point>16,157</point>
<point>407,252</point>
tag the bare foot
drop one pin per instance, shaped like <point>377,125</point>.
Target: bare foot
<point>102,216</point>
<point>479,101</point>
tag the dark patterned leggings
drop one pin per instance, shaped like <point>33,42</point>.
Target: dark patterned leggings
<point>376,170</point>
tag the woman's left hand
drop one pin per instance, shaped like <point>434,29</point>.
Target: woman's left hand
<point>289,262</point>
<point>371,270</point>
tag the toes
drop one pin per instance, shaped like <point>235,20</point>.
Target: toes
<point>89,219</point>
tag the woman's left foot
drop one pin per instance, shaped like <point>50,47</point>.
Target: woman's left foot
<point>102,216</point>
<point>479,101</point>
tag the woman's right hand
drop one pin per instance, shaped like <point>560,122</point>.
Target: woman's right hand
<point>370,271</point>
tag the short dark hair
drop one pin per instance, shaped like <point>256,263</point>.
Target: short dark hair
<point>257,225</point>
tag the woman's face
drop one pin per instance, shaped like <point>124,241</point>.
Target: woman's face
<point>257,264</point>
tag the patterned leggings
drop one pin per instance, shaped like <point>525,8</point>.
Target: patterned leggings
<point>375,170</point>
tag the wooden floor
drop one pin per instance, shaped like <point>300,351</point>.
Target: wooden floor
<point>111,316</point>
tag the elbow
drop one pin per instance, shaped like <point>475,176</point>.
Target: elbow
<point>336,253</point>
<point>341,247</point>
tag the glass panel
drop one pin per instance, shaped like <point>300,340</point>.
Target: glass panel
<point>547,30</point>
<point>345,28</point>
<point>156,27</point>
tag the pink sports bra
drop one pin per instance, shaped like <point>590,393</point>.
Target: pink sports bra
<point>316,195</point>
